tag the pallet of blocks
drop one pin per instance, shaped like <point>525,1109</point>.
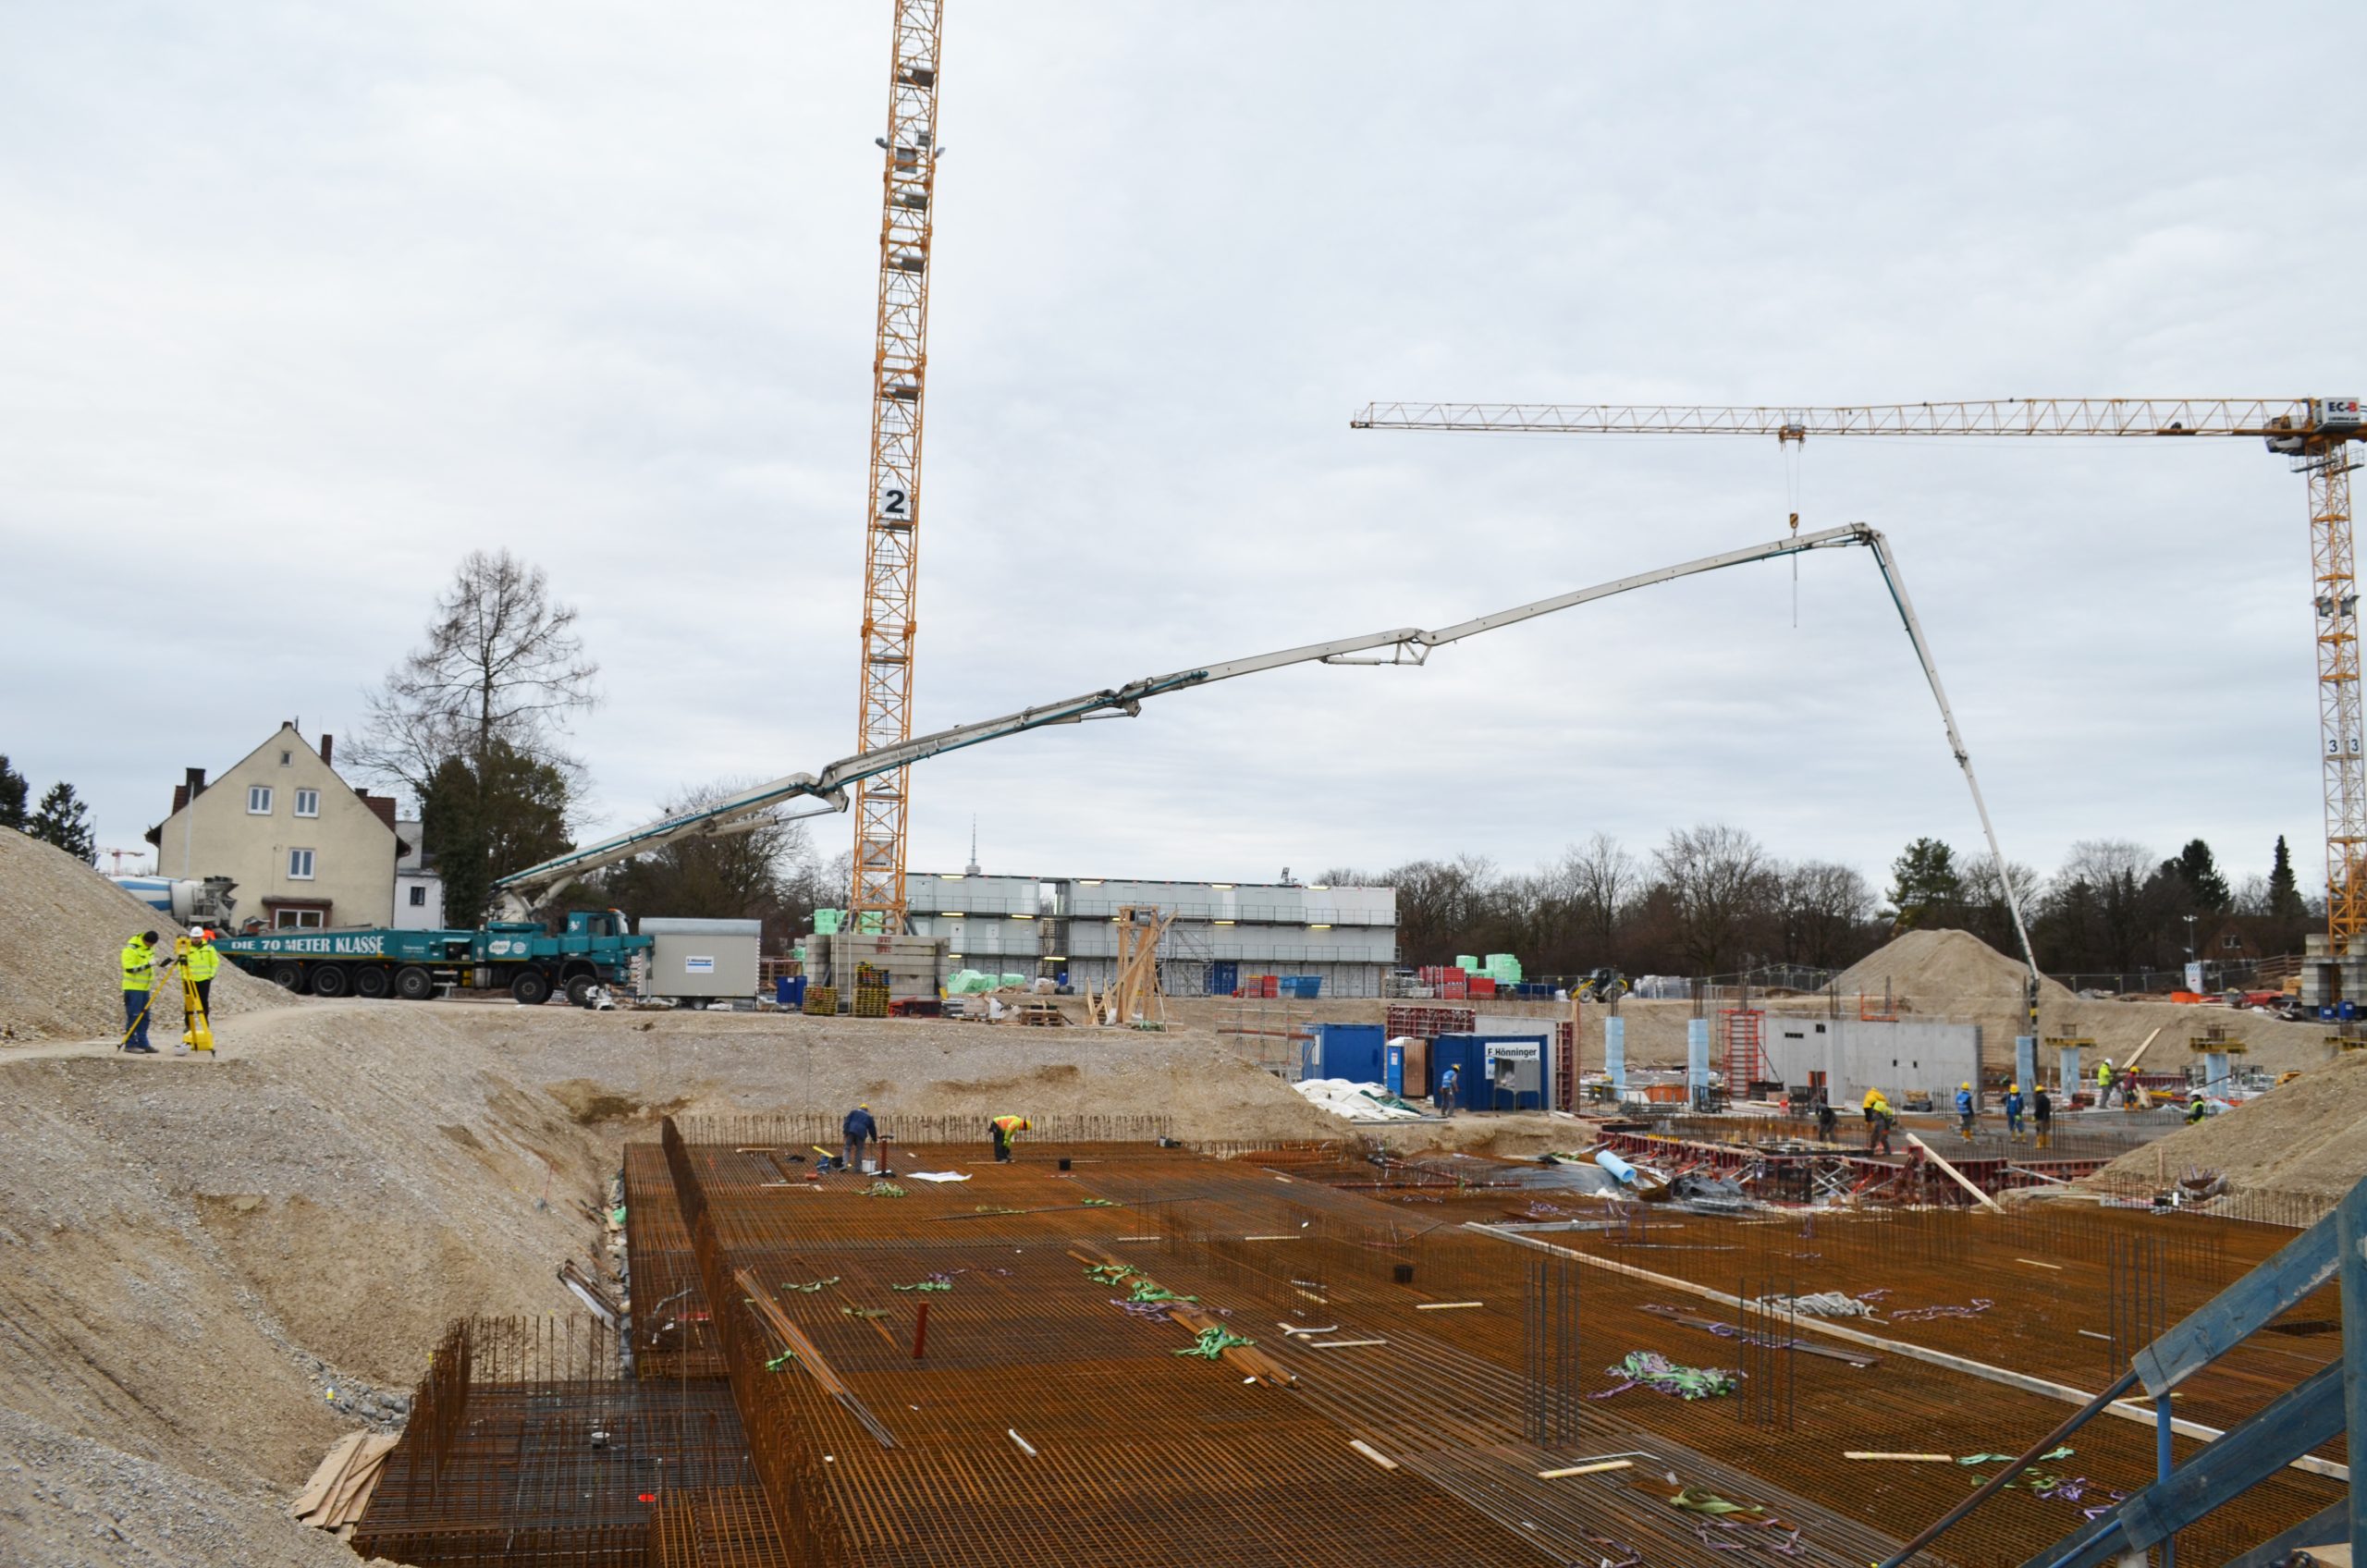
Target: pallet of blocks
<point>822,1001</point>
<point>871,1001</point>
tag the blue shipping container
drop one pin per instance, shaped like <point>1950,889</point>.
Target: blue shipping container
<point>1351,1051</point>
<point>1223,979</point>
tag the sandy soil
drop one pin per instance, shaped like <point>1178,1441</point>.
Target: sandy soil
<point>62,928</point>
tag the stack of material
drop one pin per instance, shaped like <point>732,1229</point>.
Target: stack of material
<point>823,1000</point>
<point>340,1489</point>
<point>1356,1102</point>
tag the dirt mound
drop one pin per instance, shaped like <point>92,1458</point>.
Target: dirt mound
<point>62,925</point>
<point>2307,1136</point>
<point>1932,971</point>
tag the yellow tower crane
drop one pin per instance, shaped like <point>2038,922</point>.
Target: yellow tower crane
<point>892,528</point>
<point>2314,433</point>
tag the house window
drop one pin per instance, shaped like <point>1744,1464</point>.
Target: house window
<point>418,895</point>
<point>2231,942</point>
<point>258,799</point>
<point>297,920</point>
<point>286,758</point>
<point>300,866</point>
<point>308,802</point>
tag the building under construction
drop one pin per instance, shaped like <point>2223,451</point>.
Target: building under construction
<point>1117,1349</point>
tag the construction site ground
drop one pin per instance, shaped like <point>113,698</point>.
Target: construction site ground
<point>212,1269</point>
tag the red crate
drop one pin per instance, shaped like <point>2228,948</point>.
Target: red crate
<point>1480,985</point>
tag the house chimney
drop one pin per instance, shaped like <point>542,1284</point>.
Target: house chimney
<point>328,744</point>
<point>196,782</point>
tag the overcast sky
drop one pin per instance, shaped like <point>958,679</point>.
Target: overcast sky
<point>301,302</point>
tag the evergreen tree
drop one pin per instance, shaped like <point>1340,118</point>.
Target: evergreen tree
<point>477,827</point>
<point>2205,886</point>
<point>13,790</point>
<point>1924,883</point>
<point>2284,895</point>
<point>62,819</point>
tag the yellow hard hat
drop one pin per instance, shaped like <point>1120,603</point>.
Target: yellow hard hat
<point>2013,1089</point>
<point>1964,1086</point>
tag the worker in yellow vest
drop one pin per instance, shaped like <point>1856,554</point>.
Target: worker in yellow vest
<point>199,965</point>
<point>138,958</point>
<point>1007,1129</point>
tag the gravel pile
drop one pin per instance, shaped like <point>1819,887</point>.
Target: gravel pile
<point>2307,1136</point>
<point>61,926</point>
<point>68,1501</point>
<point>1936,970</point>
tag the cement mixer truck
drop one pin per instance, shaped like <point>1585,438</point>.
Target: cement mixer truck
<point>185,901</point>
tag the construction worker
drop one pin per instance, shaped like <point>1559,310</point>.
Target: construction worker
<point>2195,1109</point>
<point>1449,1081</point>
<point>138,982</point>
<point>860,1129</point>
<point>1827,1124</point>
<point>1007,1129</point>
<point>1874,1097</point>
<point>2013,1113</point>
<point>202,965</point>
<point>1964,1112</point>
<point>2104,1084</point>
<point>2042,1118</point>
<point>1878,1111</point>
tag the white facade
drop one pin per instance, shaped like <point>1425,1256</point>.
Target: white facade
<point>418,892</point>
<point>305,848</point>
<point>1223,931</point>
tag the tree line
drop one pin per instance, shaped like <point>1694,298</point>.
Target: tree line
<point>1712,900</point>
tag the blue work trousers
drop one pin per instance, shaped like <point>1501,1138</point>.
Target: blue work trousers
<point>135,1017</point>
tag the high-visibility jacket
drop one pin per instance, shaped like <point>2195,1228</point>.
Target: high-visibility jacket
<point>1010,1126</point>
<point>2103,1076</point>
<point>203,963</point>
<point>139,965</point>
<point>1878,1105</point>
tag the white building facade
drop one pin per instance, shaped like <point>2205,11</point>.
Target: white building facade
<point>1222,932</point>
<point>418,891</point>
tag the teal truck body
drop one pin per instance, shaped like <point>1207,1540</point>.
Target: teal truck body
<point>529,960</point>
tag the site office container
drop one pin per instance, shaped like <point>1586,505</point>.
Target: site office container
<point>1345,1050</point>
<point>1474,1056</point>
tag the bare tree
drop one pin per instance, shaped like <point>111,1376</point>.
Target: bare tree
<point>1718,880</point>
<point>1603,878</point>
<point>1820,905</point>
<point>502,663</point>
<point>763,871</point>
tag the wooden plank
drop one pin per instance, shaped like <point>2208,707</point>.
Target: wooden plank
<point>1599,1466</point>
<point>1904,1458</point>
<point>2124,1409</point>
<point>326,1475</point>
<point>1445,1305</point>
<point>1372,1453</point>
<point>1953,1173</point>
<point>338,1509</point>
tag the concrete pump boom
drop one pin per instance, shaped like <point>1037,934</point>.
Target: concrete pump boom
<point>1409,645</point>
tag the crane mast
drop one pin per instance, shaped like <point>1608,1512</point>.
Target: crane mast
<point>891,527</point>
<point>2315,434</point>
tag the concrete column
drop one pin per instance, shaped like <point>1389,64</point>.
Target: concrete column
<point>2026,1064</point>
<point>2215,1072</point>
<point>1615,1053</point>
<point>1697,1057</point>
<point>2070,1070</point>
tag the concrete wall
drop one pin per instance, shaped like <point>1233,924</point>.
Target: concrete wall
<point>1854,1055</point>
<point>353,848</point>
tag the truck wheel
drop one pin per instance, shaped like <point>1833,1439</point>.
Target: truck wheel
<point>331,980</point>
<point>372,980</point>
<point>413,983</point>
<point>532,988</point>
<point>579,989</point>
<point>288,977</point>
